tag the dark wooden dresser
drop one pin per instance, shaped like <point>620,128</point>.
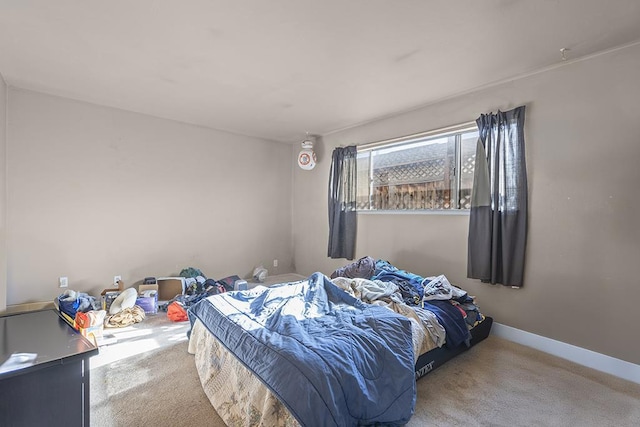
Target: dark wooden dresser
<point>51,385</point>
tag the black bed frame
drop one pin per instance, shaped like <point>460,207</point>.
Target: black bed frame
<point>437,357</point>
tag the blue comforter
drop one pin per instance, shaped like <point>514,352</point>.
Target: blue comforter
<point>330,358</point>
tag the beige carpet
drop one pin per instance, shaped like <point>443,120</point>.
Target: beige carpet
<point>149,379</point>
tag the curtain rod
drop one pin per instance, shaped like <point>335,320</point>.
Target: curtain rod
<point>401,139</point>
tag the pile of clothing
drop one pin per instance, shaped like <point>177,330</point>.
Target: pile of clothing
<point>70,302</point>
<point>378,281</point>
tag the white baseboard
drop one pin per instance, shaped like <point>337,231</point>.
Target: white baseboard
<point>600,362</point>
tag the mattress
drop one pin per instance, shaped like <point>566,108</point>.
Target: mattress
<point>241,398</point>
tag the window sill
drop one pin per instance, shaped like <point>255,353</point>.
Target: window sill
<point>453,212</point>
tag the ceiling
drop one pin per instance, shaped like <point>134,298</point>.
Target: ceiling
<point>276,69</point>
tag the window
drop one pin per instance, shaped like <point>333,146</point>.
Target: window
<point>429,171</point>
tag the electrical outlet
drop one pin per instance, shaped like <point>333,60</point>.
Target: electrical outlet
<point>63,282</point>
<point>275,262</point>
<point>116,279</point>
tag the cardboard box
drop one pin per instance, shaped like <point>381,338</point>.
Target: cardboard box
<point>169,287</point>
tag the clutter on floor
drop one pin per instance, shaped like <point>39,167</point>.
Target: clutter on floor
<point>119,306</point>
<point>196,287</point>
<point>176,312</point>
<point>126,299</point>
<point>125,317</point>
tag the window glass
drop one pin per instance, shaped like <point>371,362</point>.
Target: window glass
<point>434,173</point>
<point>468,142</point>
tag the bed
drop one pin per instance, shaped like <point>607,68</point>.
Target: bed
<point>321,351</point>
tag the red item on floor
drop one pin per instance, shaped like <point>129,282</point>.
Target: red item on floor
<point>176,312</point>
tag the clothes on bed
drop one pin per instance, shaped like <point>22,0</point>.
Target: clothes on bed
<point>410,294</point>
<point>430,322</point>
<point>473,314</point>
<point>436,319</point>
<point>452,320</point>
<point>439,288</point>
<point>368,290</point>
<point>423,328</point>
<point>412,289</point>
<point>388,273</point>
<point>427,333</point>
<point>332,359</point>
<point>363,268</point>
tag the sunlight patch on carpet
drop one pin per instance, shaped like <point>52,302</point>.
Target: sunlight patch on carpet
<point>120,351</point>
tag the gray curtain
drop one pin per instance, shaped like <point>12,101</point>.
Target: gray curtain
<point>498,219</point>
<point>343,220</point>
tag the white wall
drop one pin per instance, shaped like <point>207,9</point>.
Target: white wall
<point>96,192</point>
<point>583,148</point>
<point>3,193</point>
